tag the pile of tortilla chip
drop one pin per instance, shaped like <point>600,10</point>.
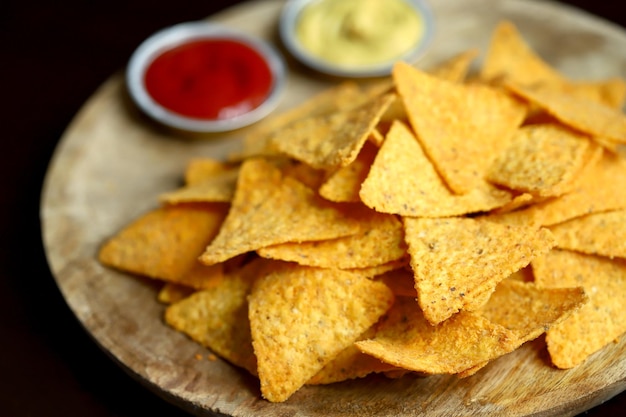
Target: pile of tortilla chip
<point>429,223</point>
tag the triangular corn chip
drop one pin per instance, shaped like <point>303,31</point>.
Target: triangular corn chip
<point>510,56</point>
<point>462,127</point>
<point>381,240</point>
<point>217,318</point>
<point>403,181</point>
<point>219,187</point>
<point>258,143</point>
<point>541,159</point>
<point>269,208</point>
<point>459,261</point>
<point>199,169</point>
<point>596,234</point>
<point>580,113</point>
<point>456,68</point>
<point>530,310</point>
<point>351,363</point>
<point>334,140</point>
<point>165,243</point>
<point>600,188</point>
<point>407,340</point>
<point>301,318</point>
<point>344,184</point>
<point>597,323</point>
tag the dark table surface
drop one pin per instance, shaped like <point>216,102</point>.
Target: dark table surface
<point>53,56</point>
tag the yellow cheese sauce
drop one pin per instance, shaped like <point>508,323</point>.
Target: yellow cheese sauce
<point>359,33</point>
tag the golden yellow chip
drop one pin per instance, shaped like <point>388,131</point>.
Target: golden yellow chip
<point>458,261</point>
<point>610,92</point>
<point>308,315</point>
<point>217,318</point>
<point>600,188</point>
<point>199,169</point>
<point>403,181</point>
<point>333,140</point>
<point>218,188</point>
<point>456,68</point>
<point>344,184</point>
<point>541,159</point>
<point>374,271</point>
<point>510,56</point>
<point>407,340</point>
<point>596,234</point>
<point>257,142</point>
<point>530,310</point>
<point>597,323</point>
<point>462,127</point>
<point>580,113</point>
<point>165,242</point>
<point>518,201</point>
<point>380,241</point>
<point>351,363</point>
<point>269,208</point>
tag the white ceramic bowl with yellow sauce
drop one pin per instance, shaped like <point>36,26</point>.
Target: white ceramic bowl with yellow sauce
<point>356,38</point>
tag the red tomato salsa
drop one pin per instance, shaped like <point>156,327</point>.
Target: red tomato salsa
<point>209,79</point>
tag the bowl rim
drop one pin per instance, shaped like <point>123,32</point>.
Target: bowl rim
<point>287,26</point>
<point>179,34</point>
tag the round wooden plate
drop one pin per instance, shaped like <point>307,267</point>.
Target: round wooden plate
<point>112,163</point>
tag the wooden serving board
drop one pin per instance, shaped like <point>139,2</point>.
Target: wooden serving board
<point>112,163</point>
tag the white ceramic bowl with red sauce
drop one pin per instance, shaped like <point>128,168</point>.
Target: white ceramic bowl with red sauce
<point>203,77</point>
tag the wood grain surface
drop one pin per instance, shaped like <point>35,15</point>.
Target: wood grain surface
<point>113,162</point>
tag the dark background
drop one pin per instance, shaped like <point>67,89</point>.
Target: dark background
<point>53,56</point>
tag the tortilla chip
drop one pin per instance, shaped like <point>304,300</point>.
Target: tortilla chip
<point>462,127</point>
<point>596,324</point>
<point>541,159</point>
<point>403,181</point>
<point>519,201</point>
<point>351,363</point>
<point>459,261</point>
<point>217,318</point>
<point>334,140</point>
<point>510,56</point>
<point>610,92</point>
<point>308,315</point>
<point>381,240</point>
<point>218,188</point>
<point>596,234</point>
<point>407,340</point>
<point>374,271</point>
<point>258,143</point>
<point>599,188</point>
<point>269,208</point>
<point>580,113</point>
<point>456,68</point>
<point>199,169</point>
<point>530,310</point>
<point>165,242</point>
<point>343,185</point>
